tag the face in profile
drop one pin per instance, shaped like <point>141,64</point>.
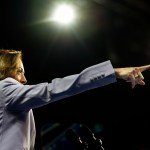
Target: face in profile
<point>19,73</point>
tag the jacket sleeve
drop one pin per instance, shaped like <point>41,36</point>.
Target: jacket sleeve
<point>22,97</point>
<point>93,77</point>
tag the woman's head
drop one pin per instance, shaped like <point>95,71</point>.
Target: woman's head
<point>11,65</point>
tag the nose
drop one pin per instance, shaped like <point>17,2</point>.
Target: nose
<point>23,79</point>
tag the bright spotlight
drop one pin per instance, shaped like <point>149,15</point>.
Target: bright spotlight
<point>63,14</point>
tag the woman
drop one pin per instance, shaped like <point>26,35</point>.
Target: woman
<point>17,99</point>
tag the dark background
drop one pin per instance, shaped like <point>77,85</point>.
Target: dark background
<point>105,30</point>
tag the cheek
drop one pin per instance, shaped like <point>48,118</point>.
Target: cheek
<point>17,77</point>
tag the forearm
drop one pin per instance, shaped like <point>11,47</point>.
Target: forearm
<point>92,77</point>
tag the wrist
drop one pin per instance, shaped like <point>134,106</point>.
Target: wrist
<point>117,72</point>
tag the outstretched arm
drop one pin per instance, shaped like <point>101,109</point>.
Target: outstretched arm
<point>132,74</point>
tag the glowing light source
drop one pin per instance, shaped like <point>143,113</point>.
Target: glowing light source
<point>63,14</point>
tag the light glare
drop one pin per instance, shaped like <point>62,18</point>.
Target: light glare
<point>63,14</point>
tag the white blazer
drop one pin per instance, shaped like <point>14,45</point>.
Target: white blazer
<point>17,126</point>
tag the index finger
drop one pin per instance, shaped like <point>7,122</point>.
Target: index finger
<point>143,68</point>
